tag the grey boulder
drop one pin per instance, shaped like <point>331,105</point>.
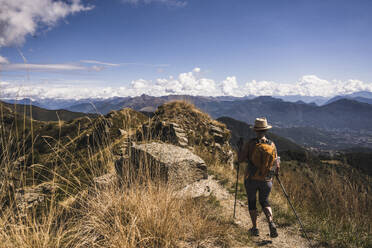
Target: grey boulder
<point>173,164</point>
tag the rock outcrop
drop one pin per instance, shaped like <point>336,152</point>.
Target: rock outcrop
<point>172,164</point>
<point>169,132</point>
<point>182,124</point>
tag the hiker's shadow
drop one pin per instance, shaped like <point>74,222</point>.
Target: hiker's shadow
<point>264,242</point>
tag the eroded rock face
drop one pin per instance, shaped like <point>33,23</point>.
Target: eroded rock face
<point>169,132</point>
<point>213,138</point>
<point>172,164</point>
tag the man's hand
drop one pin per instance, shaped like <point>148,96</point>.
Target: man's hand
<point>277,169</point>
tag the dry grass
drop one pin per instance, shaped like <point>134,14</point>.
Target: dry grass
<point>150,216</point>
<point>336,208</point>
<point>185,111</point>
<point>77,214</point>
<point>35,230</point>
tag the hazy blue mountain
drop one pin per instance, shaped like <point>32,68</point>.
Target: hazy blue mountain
<point>343,114</point>
<point>48,103</point>
<point>241,129</point>
<point>318,100</point>
<point>364,94</point>
<point>41,114</point>
<point>142,103</point>
<point>357,98</point>
<point>287,149</point>
<point>363,99</point>
<point>361,96</point>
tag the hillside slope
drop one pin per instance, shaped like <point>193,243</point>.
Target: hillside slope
<point>343,114</point>
<point>42,114</point>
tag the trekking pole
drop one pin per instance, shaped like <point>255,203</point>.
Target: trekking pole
<point>298,218</point>
<point>236,188</point>
<point>239,145</point>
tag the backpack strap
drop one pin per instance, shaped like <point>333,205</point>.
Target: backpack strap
<point>252,169</point>
<point>266,141</point>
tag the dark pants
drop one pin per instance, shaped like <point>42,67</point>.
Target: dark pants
<point>263,188</point>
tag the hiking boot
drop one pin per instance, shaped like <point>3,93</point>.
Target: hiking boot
<point>273,231</point>
<point>254,231</point>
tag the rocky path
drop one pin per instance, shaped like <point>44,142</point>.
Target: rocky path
<point>289,237</point>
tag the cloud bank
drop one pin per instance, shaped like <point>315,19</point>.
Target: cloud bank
<point>49,67</point>
<point>19,18</point>
<point>189,83</point>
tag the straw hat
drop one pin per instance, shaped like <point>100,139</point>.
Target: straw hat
<point>260,124</point>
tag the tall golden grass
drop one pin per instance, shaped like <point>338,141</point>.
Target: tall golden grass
<point>78,214</point>
<point>335,206</point>
<point>150,216</point>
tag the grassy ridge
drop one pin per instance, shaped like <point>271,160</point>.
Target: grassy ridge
<point>77,213</point>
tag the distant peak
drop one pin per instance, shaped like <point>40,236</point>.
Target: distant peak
<point>267,99</point>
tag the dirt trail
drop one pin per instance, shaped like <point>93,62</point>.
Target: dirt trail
<point>289,237</point>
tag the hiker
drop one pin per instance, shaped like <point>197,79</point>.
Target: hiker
<point>261,155</point>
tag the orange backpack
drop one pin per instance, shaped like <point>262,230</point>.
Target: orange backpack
<point>263,157</point>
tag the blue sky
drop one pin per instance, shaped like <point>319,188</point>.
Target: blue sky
<point>266,44</point>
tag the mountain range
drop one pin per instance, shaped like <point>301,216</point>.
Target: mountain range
<point>342,123</point>
<point>95,105</point>
<point>342,114</point>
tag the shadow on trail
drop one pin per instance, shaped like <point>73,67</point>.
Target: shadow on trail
<point>264,242</point>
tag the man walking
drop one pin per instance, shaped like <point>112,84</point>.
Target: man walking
<point>261,155</point>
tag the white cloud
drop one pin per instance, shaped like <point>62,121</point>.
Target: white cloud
<point>230,86</point>
<point>19,18</point>
<point>186,83</point>
<point>56,91</point>
<point>98,62</point>
<point>96,66</point>
<point>189,83</point>
<point>196,70</point>
<point>309,85</point>
<point>174,3</point>
<point>49,67</point>
<point>123,64</point>
<point>3,60</point>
